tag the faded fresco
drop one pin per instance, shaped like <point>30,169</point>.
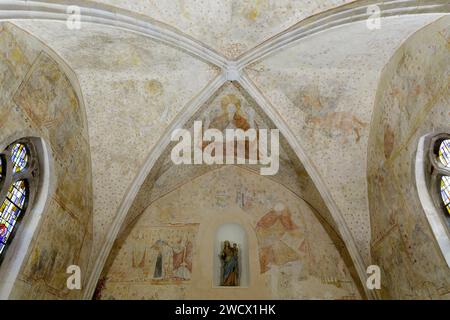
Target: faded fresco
<point>280,239</point>
<point>231,27</point>
<point>158,255</point>
<point>133,87</point>
<point>232,115</point>
<point>413,100</point>
<point>352,101</point>
<point>39,100</point>
<point>324,88</point>
<point>291,255</point>
<point>230,107</point>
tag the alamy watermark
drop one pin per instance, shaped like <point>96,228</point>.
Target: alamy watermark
<point>73,21</point>
<point>374,277</point>
<point>74,280</point>
<point>374,20</point>
<point>236,146</point>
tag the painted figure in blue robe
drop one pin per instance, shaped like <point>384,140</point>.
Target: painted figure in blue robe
<point>230,265</point>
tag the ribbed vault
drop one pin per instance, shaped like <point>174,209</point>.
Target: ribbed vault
<point>316,81</point>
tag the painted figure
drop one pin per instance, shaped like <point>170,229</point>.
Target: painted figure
<point>182,262</point>
<point>172,261</point>
<point>230,265</point>
<point>163,265</point>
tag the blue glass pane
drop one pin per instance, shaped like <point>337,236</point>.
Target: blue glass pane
<point>17,193</point>
<point>19,157</point>
<point>445,192</point>
<point>8,218</point>
<point>444,153</point>
<point>11,209</point>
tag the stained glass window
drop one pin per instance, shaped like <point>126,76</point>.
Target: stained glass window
<point>19,157</point>
<point>11,209</point>
<point>445,192</point>
<point>444,153</point>
<point>17,192</point>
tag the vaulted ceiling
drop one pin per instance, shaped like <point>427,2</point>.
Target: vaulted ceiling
<point>146,68</point>
<point>229,27</point>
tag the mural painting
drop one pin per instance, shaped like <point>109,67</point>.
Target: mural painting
<point>272,231</point>
<point>159,255</point>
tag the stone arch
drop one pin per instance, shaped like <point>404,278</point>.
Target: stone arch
<point>278,267</point>
<point>141,201</point>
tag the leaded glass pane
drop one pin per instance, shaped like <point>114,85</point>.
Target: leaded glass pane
<point>17,193</point>
<point>11,209</point>
<point>13,205</point>
<point>445,192</point>
<point>19,157</point>
<point>8,218</point>
<point>444,153</point>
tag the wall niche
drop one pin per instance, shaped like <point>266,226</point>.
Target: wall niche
<point>230,257</point>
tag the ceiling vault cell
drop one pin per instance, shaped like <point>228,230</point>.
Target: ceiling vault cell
<point>120,18</point>
<point>345,14</point>
<point>130,215</point>
<point>154,154</point>
<point>300,152</point>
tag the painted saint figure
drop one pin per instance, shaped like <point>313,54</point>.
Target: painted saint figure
<point>172,261</point>
<point>230,265</point>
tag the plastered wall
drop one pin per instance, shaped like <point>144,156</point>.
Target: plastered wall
<point>324,89</point>
<point>413,99</point>
<point>291,256</point>
<point>37,99</point>
<point>133,88</point>
<point>230,27</point>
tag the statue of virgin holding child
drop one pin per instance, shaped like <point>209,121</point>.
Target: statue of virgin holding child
<point>230,265</point>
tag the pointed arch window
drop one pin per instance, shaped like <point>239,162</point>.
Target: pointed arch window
<point>445,192</point>
<point>440,161</point>
<point>433,186</point>
<point>18,178</point>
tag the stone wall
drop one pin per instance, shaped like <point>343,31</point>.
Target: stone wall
<point>412,100</point>
<point>38,100</point>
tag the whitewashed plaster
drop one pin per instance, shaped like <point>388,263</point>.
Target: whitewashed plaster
<point>121,72</point>
<point>133,88</point>
<point>41,98</point>
<point>307,264</point>
<point>230,27</point>
<point>325,92</point>
<point>167,176</point>
<point>413,100</point>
